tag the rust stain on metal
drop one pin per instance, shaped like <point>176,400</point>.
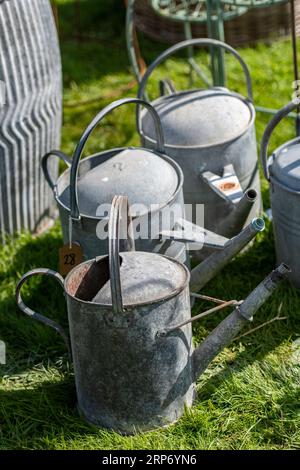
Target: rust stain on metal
<point>228,186</point>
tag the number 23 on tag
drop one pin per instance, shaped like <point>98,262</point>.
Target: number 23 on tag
<point>69,257</point>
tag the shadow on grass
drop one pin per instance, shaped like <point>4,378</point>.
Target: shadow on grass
<point>26,338</point>
<point>29,415</point>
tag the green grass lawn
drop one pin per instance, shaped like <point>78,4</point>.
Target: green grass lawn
<point>249,397</point>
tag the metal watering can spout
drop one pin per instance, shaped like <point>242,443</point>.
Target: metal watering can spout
<point>235,221</point>
<point>228,329</point>
<point>206,270</point>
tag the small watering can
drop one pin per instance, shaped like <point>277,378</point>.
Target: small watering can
<point>151,180</point>
<point>131,338</point>
<point>211,135</point>
<point>282,170</point>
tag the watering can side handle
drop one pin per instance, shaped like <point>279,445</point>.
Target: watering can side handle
<point>44,163</point>
<point>37,316</point>
<point>83,139</point>
<point>193,42</point>
<point>276,119</point>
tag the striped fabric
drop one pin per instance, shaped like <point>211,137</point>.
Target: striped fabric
<point>30,118</point>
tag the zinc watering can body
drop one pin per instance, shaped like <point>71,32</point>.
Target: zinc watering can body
<point>282,171</point>
<point>211,135</point>
<point>130,329</point>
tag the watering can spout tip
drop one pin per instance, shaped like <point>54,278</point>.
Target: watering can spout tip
<point>258,224</point>
<point>251,194</point>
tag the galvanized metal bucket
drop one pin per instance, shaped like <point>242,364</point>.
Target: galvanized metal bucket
<point>282,171</point>
<point>131,339</point>
<point>211,135</point>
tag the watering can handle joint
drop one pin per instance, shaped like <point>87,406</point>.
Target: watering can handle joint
<point>273,123</point>
<point>37,316</point>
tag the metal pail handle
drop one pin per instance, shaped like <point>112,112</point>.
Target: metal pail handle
<point>160,148</point>
<point>119,219</point>
<point>195,42</point>
<point>276,119</point>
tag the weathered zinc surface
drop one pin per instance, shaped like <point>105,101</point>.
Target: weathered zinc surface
<point>206,131</point>
<point>131,372</point>
<point>30,118</point>
<point>282,170</point>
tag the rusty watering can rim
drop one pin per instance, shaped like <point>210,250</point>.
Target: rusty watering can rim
<point>114,152</point>
<point>130,306</point>
<point>218,92</point>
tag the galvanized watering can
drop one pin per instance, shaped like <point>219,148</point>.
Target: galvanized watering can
<point>211,135</point>
<point>282,170</point>
<point>131,338</point>
<point>151,180</point>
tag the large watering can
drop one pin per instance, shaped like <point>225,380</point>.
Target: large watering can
<point>282,170</point>
<point>130,329</point>
<point>211,135</point>
<point>151,180</point>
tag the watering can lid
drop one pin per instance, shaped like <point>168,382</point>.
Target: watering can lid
<point>146,278</point>
<point>142,175</point>
<point>285,165</point>
<point>199,118</point>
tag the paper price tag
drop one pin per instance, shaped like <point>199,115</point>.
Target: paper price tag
<point>69,257</point>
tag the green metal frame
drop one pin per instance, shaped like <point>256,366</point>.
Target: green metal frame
<point>215,14</point>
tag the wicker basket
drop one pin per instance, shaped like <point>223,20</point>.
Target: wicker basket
<point>255,25</point>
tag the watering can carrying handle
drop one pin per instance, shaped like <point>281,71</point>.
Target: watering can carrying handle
<point>195,42</point>
<point>37,316</point>
<point>58,154</point>
<point>119,214</point>
<point>276,119</point>
<point>80,146</point>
